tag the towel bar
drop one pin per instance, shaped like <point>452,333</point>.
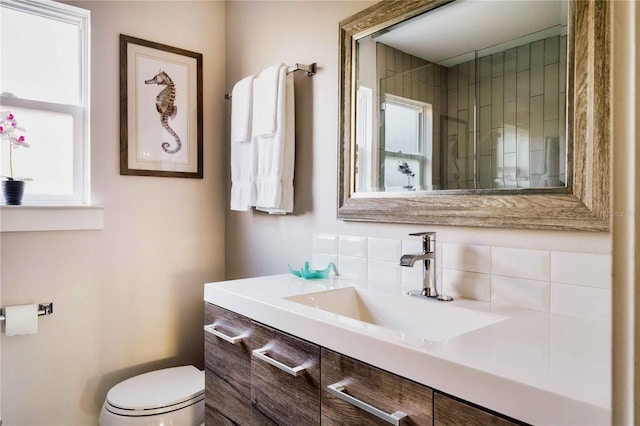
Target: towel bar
<point>310,69</point>
<point>43,309</point>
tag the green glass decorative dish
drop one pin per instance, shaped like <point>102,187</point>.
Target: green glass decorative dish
<point>308,273</point>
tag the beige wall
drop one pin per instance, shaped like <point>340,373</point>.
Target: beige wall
<point>263,33</point>
<point>128,298</point>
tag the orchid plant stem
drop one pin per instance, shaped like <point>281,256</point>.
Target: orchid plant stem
<point>10,161</point>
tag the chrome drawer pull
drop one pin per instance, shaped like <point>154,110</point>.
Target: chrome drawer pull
<point>262,354</point>
<point>211,328</point>
<point>398,418</point>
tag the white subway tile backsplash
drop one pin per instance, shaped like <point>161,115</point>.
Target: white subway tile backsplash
<point>352,267</point>
<point>467,257</point>
<point>411,277</point>
<point>567,283</point>
<point>352,246</point>
<point>379,270</point>
<point>580,301</point>
<point>412,246</point>
<point>415,246</point>
<point>439,255</point>
<point>385,249</point>
<point>586,269</point>
<point>469,285</point>
<point>321,260</point>
<point>325,243</point>
<point>520,263</point>
<point>528,294</point>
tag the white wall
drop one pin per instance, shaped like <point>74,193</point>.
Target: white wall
<point>128,298</point>
<point>262,33</point>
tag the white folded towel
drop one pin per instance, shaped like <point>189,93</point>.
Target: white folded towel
<point>241,109</point>
<point>241,169</point>
<point>265,94</point>
<point>274,156</point>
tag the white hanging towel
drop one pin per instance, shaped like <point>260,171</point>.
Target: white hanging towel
<point>274,156</point>
<point>265,89</point>
<point>241,123</point>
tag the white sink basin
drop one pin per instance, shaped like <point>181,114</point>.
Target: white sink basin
<point>428,319</point>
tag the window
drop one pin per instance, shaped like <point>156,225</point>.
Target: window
<point>44,82</point>
<point>406,144</point>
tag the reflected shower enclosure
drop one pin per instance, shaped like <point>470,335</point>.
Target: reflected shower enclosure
<point>493,117</point>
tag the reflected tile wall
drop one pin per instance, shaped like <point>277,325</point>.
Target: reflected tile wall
<point>520,115</point>
<point>519,94</point>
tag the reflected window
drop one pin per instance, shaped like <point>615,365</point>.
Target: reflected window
<point>406,144</point>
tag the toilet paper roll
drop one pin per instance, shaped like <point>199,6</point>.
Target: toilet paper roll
<point>21,319</point>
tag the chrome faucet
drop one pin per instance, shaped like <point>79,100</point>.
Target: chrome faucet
<point>428,255</point>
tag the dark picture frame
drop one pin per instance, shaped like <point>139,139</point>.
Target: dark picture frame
<point>161,127</point>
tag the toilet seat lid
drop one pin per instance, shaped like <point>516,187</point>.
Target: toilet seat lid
<point>158,388</point>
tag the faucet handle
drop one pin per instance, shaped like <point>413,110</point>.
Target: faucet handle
<point>428,241</point>
<point>424,235</point>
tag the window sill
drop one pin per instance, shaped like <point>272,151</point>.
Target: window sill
<point>51,218</point>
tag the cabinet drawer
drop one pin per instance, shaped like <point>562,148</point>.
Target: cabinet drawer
<point>285,379</point>
<point>227,367</point>
<point>377,388</point>
<point>450,412</point>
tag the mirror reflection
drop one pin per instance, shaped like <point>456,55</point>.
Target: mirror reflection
<point>458,98</point>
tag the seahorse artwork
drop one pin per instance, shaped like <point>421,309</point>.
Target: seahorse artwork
<point>166,107</point>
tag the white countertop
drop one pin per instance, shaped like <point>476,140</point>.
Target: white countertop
<point>537,367</point>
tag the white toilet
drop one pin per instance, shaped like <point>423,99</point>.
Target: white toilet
<point>172,396</point>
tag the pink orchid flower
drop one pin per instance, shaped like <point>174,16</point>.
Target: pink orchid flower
<point>8,130</point>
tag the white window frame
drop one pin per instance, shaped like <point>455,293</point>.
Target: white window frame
<point>81,116</point>
<point>424,145</point>
<point>45,213</point>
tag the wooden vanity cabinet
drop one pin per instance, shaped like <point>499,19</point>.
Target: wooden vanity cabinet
<point>453,412</point>
<point>287,383</point>
<point>278,384</point>
<point>377,388</point>
<point>227,367</point>
<point>285,379</point>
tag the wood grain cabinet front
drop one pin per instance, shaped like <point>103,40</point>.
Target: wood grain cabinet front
<point>355,393</point>
<point>285,379</point>
<point>227,367</point>
<point>453,412</point>
<point>257,375</point>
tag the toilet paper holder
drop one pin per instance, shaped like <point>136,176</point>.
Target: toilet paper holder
<point>43,309</point>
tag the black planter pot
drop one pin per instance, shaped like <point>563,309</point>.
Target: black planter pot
<point>13,191</point>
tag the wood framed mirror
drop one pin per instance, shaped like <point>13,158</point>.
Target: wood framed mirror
<point>577,200</point>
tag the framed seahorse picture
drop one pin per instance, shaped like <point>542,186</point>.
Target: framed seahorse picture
<point>160,110</point>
